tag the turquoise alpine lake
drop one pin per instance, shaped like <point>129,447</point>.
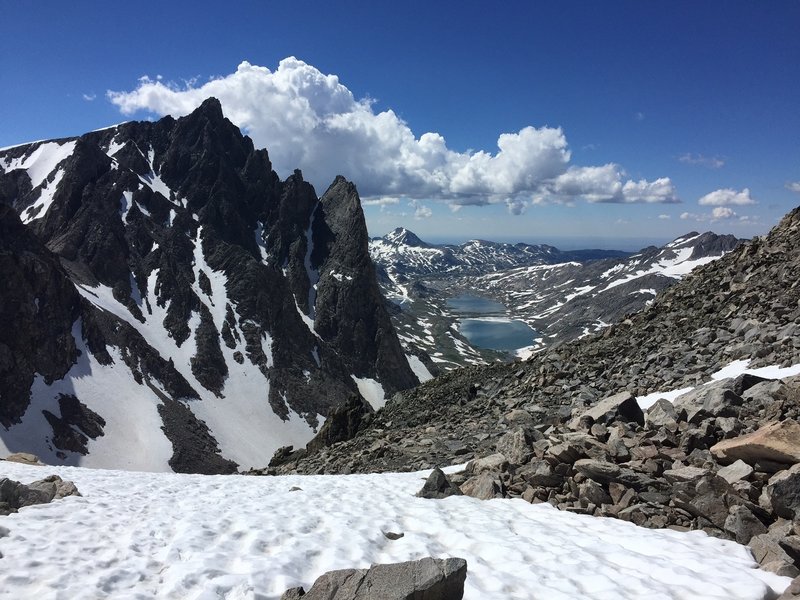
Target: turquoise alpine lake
<point>490,332</point>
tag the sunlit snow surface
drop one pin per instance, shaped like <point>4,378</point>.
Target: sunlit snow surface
<point>371,390</point>
<point>734,369</point>
<point>156,535</point>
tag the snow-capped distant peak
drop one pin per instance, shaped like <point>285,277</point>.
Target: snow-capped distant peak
<point>402,236</point>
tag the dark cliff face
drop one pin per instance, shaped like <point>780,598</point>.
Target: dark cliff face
<point>181,234</point>
<point>41,313</point>
<point>366,339</point>
<point>40,303</point>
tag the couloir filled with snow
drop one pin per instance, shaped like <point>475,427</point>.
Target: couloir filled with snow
<point>158,535</point>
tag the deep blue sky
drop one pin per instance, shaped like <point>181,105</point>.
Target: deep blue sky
<point>639,84</point>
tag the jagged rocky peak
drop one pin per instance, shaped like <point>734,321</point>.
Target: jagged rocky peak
<point>401,235</point>
<point>206,285</point>
<point>704,244</point>
<point>341,247</point>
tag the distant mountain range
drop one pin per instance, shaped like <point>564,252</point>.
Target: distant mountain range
<point>402,254</point>
<point>561,295</point>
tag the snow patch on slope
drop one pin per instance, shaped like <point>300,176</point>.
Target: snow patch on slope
<point>133,438</point>
<point>246,428</point>
<point>371,390</point>
<point>419,368</point>
<point>41,161</point>
<point>153,180</point>
<point>45,200</point>
<point>675,267</point>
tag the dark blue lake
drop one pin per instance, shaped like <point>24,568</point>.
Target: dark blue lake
<point>492,333</point>
<point>497,335</point>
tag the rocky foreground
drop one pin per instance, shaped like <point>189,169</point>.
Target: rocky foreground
<point>564,427</point>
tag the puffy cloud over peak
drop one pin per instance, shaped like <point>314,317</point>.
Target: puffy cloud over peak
<point>516,206</point>
<point>604,184</point>
<point>420,210</point>
<point>310,120</point>
<point>722,212</point>
<point>727,197</point>
<point>793,186</point>
<point>660,191</point>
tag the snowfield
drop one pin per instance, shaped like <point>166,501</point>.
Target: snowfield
<point>158,535</point>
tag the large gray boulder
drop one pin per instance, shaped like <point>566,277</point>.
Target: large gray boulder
<point>661,414</point>
<point>622,406</point>
<point>15,495</point>
<point>483,486</point>
<point>438,486</point>
<point>782,493</point>
<point>516,446</point>
<point>712,400</point>
<point>425,579</point>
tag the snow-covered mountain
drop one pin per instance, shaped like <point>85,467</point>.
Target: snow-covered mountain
<point>572,299</point>
<point>402,256</point>
<point>169,303</point>
<point>561,295</point>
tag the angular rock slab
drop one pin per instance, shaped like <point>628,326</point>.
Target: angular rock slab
<point>425,579</point>
<point>26,458</point>
<point>619,406</point>
<point>438,486</point>
<point>777,442</point>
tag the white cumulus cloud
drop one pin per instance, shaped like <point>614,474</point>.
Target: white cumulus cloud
<point>722,212</point>
<point>310,120</point>
<point>420,210</point>
<point>727,197</point>
<point>717,214</point>
<point>793,186</point>
<point>385,201</point>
